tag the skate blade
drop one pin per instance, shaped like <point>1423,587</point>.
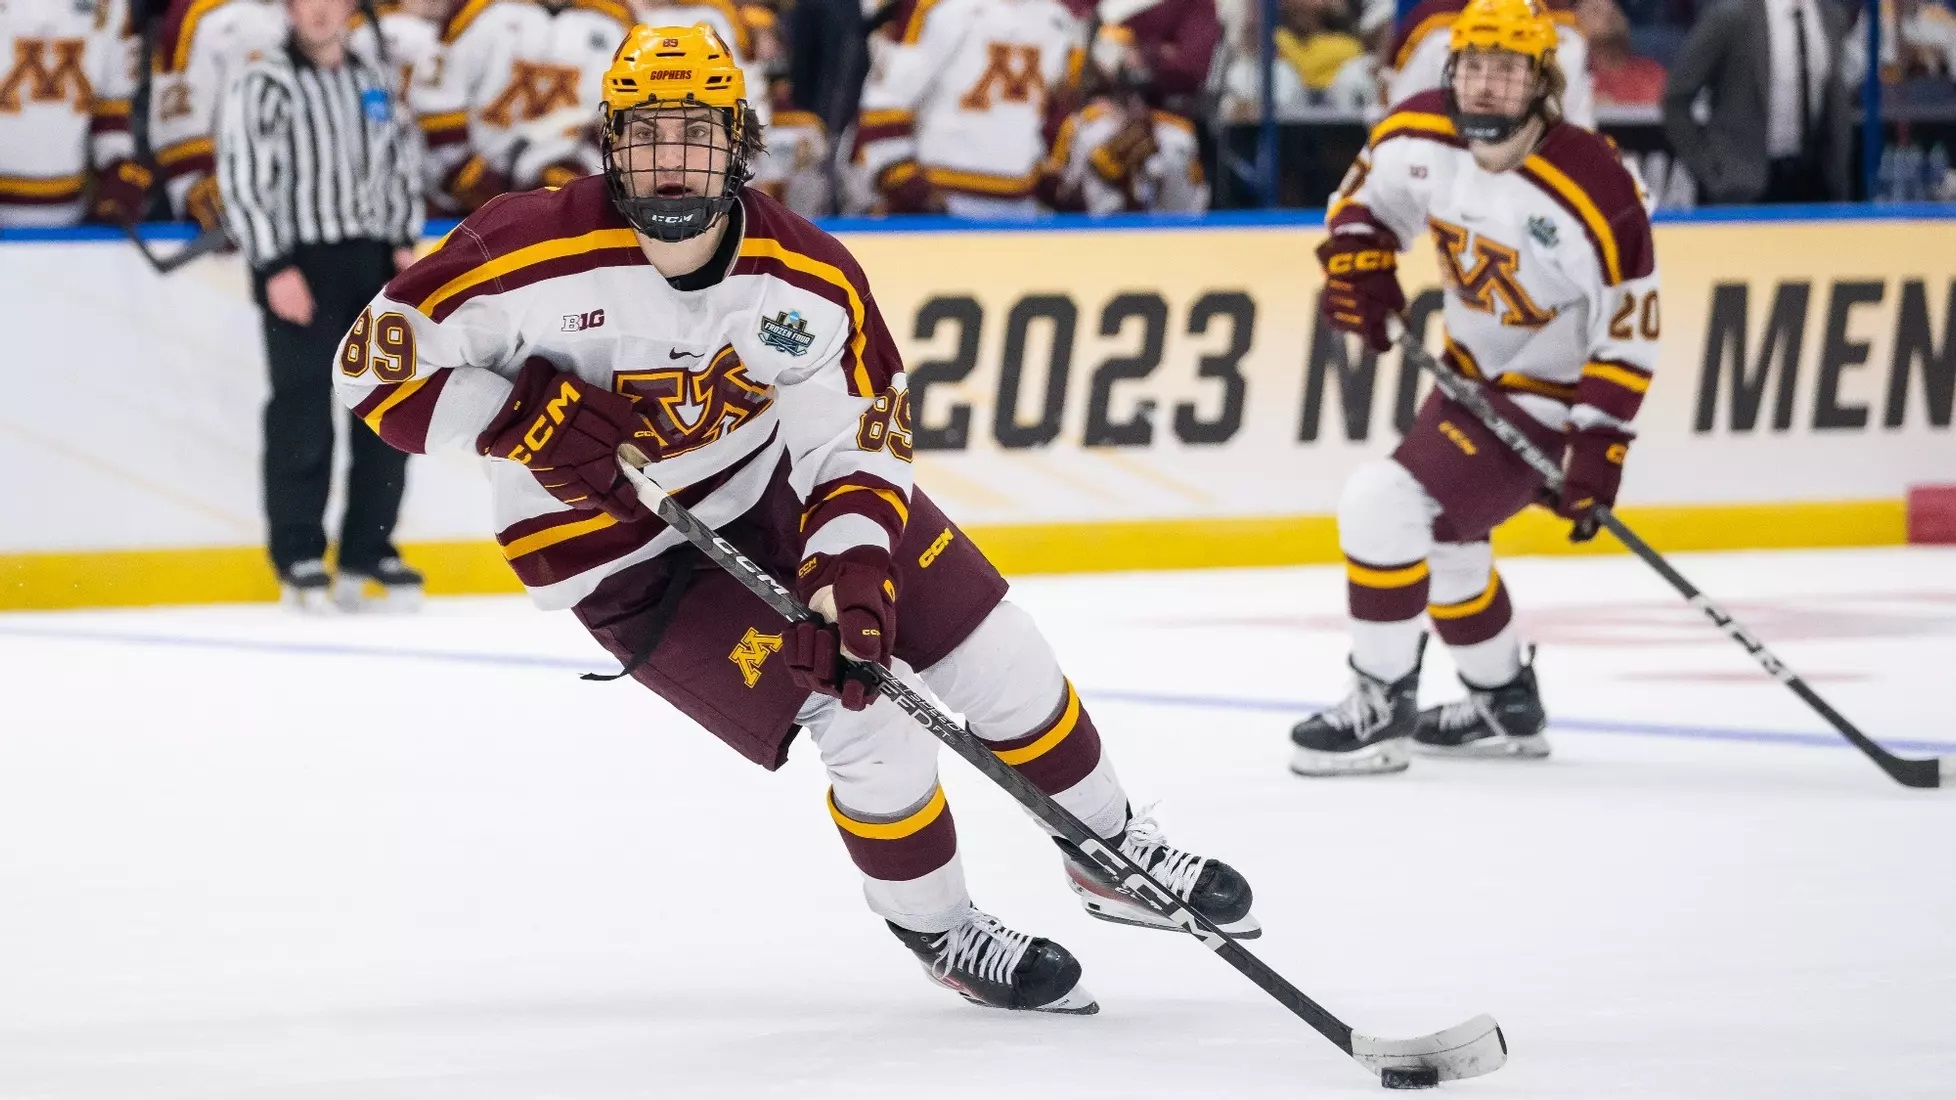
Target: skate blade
<point>312,601</point>
<point>1499,747</point>
<point>1115,909</point>
<point>371,596</point>
<point>1074,1002</point>
<point>1382,758</point>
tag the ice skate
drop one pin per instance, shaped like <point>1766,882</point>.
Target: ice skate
<point>1363,735</point>
<point>304,585</point>
<point>991,965</point>
<point>1210,887</point>
<point>1497,722</point>
<point>390,586</point>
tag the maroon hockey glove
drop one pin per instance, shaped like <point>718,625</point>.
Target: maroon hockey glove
<point>859,581</point>
<point>121,193</point>
<point>561,173</point>
<point>1592,468</point>
<point>567,431</point>
<point>906,191</point>
<point>473,183</point>
<point>1361,284</point>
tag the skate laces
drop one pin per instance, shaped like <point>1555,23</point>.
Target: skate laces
<point>982,945</point>
<point>1462,713</point>
<point>1362,711</point>
<point>1171,866</point>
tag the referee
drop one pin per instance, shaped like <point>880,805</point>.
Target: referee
<point>319,168</point>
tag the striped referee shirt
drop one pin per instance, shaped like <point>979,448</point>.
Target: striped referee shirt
<point>307,155</point>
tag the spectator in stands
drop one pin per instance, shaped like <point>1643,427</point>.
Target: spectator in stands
<point>1622,78</point>
<point>1790,144</point>
<point>1320,66</point>
<point>1918,49</point>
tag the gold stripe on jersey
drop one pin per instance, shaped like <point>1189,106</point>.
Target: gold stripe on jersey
<point>743,42</point>
<point>1599,226</point>
<point>890,830</point>
<point>184,150</point>
<point>1472,606</point>
<point>1386,578</point>
<point>914,28</point>
<point>1010,187</point>
<point>767,249</point>
<point>187,33</point>
<point>463,16</point>
<point>889,497</point>
<point>892,116</point>
<point>1426,26</point>
<point>23,187</point>
<point>110,108</point>
<point>551,536</point>
<point>449,120</point>
<point>1414,122</point>
<point>1622,376</point>
<point>1528,383</point>
<point>524,257</point>
<point>1468,365</point>
<point>1069,719</point>
<point>401,393</point>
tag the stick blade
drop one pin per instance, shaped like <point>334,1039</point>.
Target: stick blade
<point>1471,1049</point>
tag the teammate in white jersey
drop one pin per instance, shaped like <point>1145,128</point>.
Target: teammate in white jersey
<point>66,73</point>
<point>668,305</point>
<point>954,111</point>
<point>1421,51</point>
<point>1551,301</point>
<point>408,42</point>
<point>1117,155</point>
<point>514,103</point>
<point>203,45</point>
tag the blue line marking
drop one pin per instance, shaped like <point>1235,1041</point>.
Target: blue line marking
<point>1218,219</point>
<point>1136,698</point>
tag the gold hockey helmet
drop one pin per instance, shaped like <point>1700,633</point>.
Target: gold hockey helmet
<point>1521,27</point>
<point>666,194</point>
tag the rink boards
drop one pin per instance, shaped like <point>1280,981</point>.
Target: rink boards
<point>1092,396</point>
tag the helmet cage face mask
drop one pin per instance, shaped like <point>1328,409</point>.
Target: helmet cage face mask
<point>675,167</point>
<point>1493,128</point>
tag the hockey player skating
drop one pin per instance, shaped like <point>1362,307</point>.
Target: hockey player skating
<point>1551,301</point>
<point>665,304</point>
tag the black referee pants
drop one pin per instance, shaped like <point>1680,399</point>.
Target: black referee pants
<point>343,278</point>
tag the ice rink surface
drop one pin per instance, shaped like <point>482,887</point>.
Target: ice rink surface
<point>245,854</point>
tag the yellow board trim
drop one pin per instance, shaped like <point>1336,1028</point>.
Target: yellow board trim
<point>890,830</point>
<point>525,257</point>
<point>1387,578</point>
<point>1466,608</point>
<point>828,273</point>
<point>1069,719</point>
<point>404,391</point>
<point>62,579</point>
<point>1609,372</point>
<point>551,536</point>
<point>1598,225</point>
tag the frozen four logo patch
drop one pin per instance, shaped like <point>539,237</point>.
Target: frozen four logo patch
<point>1542,230</point>
<point>787,332</point>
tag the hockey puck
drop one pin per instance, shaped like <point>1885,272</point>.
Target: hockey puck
<point>1410,1077</point>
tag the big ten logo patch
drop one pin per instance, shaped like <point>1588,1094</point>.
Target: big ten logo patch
<point>1494,274</point>
<point>578,322</point>
<point>1011,75</point>
<point>752,653</point>
<point>534,90</point>
<point>45,70</point>
<point>687,410</point>
<point>936,547</point>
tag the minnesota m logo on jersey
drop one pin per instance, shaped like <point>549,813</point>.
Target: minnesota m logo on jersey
<point>534,90</point>
<point>688,410</point>
<point>46,70</point>
<point>1495,275</point>
<point>752,653</point>
<point>1013,71</point>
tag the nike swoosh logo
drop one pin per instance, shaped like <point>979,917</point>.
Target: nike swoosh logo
<point>677,354</point>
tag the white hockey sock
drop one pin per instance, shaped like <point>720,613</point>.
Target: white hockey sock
<point>1386,651</point>
<point>1491,663</point>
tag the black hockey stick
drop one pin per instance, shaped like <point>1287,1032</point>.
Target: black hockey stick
<point>1933,772</point>
<point>1468,1050</point>
<point>203,244</point>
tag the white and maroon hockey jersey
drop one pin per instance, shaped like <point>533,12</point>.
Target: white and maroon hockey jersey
<point>1550,270</point>
<point>66,75</point>
<point>1419,56</point>
<point>958,91</point>
<point>782,369</point>
<point>519,90</point>
<point>202,47</point>
<point>412,44</point>
<point>1170,181</point>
